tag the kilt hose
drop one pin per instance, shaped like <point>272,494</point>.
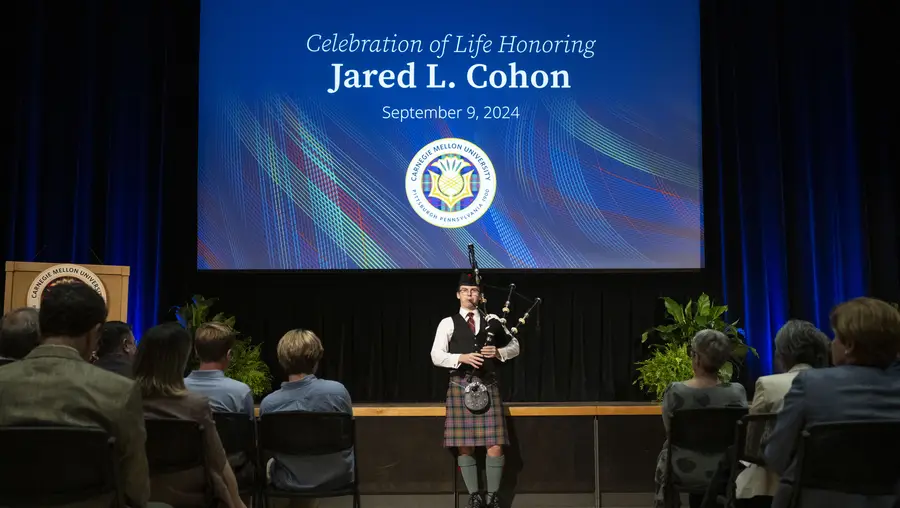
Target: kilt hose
<point>464,428</point>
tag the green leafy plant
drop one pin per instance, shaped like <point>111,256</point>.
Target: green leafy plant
<point>246,364</point>
<point>666,363</point>
<point>248,367</point>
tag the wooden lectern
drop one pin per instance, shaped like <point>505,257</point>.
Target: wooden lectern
<point>26,281</point>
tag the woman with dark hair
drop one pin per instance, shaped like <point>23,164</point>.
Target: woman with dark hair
<point>710,349</point>
<point>159,365</point>
<point>863,385</point>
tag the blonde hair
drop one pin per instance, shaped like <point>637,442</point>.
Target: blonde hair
<point>161,358</point>
<point>299,352</point>
<point>212,341</point>
<point>871,327</point>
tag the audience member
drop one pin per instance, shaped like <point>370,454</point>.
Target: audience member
<point>19,334</point>
<point>159,365</point>
<point>709,351</point>
<point>299,353</point>
<point>799,346</point>
<point>864,385</point>
<point>116,350</point>
<point>55,385</point>
<point>213,343</point>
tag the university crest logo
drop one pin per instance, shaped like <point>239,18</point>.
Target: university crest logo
<point>450,183</point>
<point>62,274</point>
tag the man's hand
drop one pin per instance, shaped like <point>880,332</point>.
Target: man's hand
<point>489,351</point>
<point>473,359</point>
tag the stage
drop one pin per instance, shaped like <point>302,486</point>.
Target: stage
<point>560,454</point>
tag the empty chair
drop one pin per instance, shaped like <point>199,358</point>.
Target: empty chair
<point>49,466</point>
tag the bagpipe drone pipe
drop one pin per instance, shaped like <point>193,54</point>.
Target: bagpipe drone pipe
<point>499,331</point>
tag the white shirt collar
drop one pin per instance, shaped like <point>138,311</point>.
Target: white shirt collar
<point>465,313</point>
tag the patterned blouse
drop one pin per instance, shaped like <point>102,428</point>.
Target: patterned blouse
<point>693,470</point>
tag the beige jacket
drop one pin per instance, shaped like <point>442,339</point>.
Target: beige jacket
<point>769,398</point>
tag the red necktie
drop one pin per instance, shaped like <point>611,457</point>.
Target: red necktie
<point>470,319</point>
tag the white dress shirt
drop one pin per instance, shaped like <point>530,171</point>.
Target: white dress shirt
<point>440,354</point>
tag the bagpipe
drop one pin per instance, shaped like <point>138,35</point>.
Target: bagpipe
<point>477,397</point>
<point>495,326</point>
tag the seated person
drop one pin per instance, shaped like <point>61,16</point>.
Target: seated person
<point>863,385</point>
<point>799,346</point>
<point>159,365</point>
<point>116,350</point>
<point>213,343</point>
<point>55,385</point>
<point>709,351</point>
<point>299,353</point>
<point>19,334</point>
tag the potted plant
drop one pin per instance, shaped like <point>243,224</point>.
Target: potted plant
<point>246,363</point>
<point>669,361</point>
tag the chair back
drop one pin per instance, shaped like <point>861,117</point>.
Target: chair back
<point>705,430</point>
<point>306,433</point>
<point>752,432</point>
<point>854,457</point>
<point>237,431</point>
<point>48,466</point>
<point>173,445</point>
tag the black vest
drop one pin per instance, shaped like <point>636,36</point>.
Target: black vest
<point>463,341</point>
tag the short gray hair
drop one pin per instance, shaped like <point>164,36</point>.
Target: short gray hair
<point>801,342</point>
<point>19,332</point>
<point>713,349</point>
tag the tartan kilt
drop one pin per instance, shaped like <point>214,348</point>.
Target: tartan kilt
<point>464,428</point>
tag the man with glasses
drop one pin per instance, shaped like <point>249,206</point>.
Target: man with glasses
<point>459,345</point>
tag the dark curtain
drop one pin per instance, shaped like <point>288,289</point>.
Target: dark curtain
<point>878,113</point>
<point>800,200</point>
<point>103,119</point>
<point>378,328</point>
<point>793,124</point>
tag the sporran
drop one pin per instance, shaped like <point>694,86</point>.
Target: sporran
<point>477,397</point>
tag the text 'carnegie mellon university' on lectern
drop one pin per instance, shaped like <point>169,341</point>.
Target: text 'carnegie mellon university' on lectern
<point>27,281</point>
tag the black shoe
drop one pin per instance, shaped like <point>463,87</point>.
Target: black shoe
<point>493,500</point>
<point>475,501</point>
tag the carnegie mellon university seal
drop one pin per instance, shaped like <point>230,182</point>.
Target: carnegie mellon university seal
<point>62,274</point>
<point>450,183</point>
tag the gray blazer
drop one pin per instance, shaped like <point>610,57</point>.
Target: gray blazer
<point>847,392</point>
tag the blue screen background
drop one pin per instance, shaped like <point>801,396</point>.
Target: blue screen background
<point>603,175</point>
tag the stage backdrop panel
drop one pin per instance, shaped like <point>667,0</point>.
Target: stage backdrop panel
<point>563,135</point>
